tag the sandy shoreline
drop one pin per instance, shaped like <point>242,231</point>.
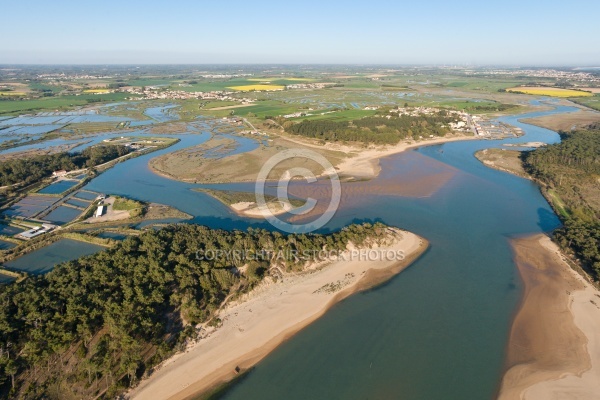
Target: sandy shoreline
<point>366,163</point>
<point>271,313</point>
<point>554,348</point>
<point>253,210</point>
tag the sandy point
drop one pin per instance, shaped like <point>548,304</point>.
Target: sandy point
<point>554,345</point>
<point>261,320</point>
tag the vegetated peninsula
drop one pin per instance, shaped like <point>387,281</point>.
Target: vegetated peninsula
<point>97,325</point>
<point>568,173</point>
<point>30,170</point>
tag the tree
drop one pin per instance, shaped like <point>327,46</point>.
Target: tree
<point>11,369</point>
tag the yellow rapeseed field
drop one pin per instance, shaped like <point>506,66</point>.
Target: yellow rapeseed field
<point>548,91</point>
<point>97,91</point>
<point>246,88</point>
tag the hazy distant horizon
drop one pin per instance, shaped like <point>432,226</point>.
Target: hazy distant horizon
<point>274,64</point>
<point>431,32</point>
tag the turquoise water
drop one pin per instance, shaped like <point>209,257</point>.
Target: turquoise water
<point>44,259</point>
<point>439,329</point>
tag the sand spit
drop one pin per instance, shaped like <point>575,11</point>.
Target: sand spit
<point>261,320</point>
<point>554,347</point>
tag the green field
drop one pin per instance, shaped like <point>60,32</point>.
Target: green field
<point>260,110</point>
<point>43,86</point>
<point>210,85</point>
<point>591,102</point>
<point>360,84</point>
<point>480,83</point>
<point>207,85</point>
<point>149,82</point>
<point>345,115</point>
<point>217,104</point>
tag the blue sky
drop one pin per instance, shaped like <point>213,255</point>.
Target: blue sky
<point>366,32</point>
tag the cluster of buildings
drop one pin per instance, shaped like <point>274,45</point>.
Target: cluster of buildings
<point>63,76</point>
<point>492,129</point>
<point>153,92</point>
<point>237,121</point>
<point>37,231</point>
<point>306,114</point>
<point>579,76</point>
<point>296,115</point>
<point>463,120</point>
<point>418,111</point>
<point>310,85</point>
<point>234,120</point>
<point>224,76</point>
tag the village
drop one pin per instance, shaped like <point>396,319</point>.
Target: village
<point>155,92</point>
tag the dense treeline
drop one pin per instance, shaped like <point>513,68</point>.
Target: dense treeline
<point>93,326</point>
<point>29,170</point>
<point>377,129</point>
<point>571,169</point>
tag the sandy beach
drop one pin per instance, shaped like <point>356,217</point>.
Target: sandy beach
<point>258,322</point>
<point>253,210</point>
<point>365,164</point>
<point>554,348</point>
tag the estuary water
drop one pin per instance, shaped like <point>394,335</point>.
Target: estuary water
<point>436,331</point>
<point>439,329</point>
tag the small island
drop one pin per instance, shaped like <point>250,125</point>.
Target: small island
<point>244,203</point>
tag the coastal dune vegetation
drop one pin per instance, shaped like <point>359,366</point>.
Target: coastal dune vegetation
<point>29,170</point>
<point>94,326</point>
<point>569,172</point>
<point>379,129</point>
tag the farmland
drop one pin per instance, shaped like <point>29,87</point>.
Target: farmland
<point>549,91</point>
<point>97,91</point>
<point>12,94</point>
<point>256,87</point>
<point>591,102</point>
